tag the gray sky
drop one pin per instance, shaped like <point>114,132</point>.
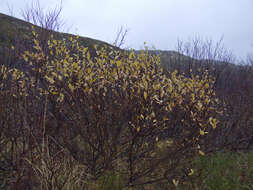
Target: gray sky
<point>157,22</point>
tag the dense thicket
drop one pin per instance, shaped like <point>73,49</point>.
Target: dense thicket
<point>233,86</point>
<point>69,118</point>
<point>117,112</point>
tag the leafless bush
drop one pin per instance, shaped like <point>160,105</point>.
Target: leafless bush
<point>200,49</point>
<point>249,60</point>
<point>50,20</point>
<point>120,38</point>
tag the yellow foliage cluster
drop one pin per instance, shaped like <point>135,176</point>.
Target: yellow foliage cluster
<point>123,78</point>
<point>121,103</point>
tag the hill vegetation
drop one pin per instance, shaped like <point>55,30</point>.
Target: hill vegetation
<point>78,113</point>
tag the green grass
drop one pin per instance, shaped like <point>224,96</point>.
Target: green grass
<point>217,171</point>
<point>225,171</point>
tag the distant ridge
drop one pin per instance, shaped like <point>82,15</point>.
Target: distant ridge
<point>11,27</point>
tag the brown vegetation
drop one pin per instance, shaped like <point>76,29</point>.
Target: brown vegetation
<point>71,119</point>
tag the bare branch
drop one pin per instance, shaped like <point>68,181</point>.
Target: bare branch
<point>10,9</point>
<point>46,19</point>
<point>120,38</point>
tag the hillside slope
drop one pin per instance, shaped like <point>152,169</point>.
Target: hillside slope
<point>13,29</point>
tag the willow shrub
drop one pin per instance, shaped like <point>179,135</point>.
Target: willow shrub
<point>113,112</point>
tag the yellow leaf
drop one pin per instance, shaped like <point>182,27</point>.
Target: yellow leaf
<point>86,88</point>
<point>156,139</point>
<point>199,106</point>
<point>50,79</point>
<point>118,63</point>
<point>145,95</point>
<point>162,92</point>
<point>89,70</point>
<point>138,129</point>
<point>114,71</point>
<point>60,98</point>
<point>191,172</point>
<point>193,97</point>
<point>175,182</point>
<point>201,153</point>
<point>213,122</point>
<point>143,77</point>
<point>202,93</point>
<point>165,119</point>
<point>201,132</point>
<point>169,142</point>
<point>25,58</point>
<point>84,50</point>
<point>88,56</point>
<point>71,87</point>
<point>132,55</point>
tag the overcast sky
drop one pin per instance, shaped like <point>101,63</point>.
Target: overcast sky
<point>157,22</point>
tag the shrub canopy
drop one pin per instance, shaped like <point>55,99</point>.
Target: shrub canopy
<point>115,111</point>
